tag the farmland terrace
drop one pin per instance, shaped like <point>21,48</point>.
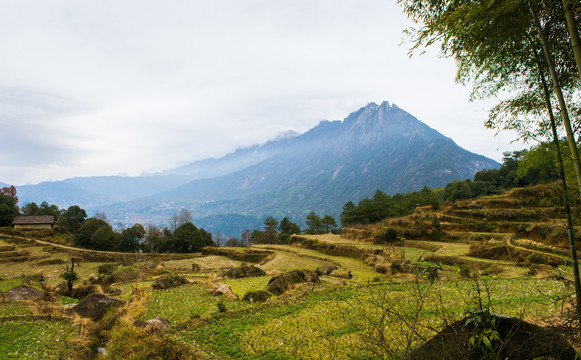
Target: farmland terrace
<point>319,297</point>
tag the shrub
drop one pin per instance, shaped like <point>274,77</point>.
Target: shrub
<point>107,269</point>
<point>386,234</point>
<point>400,266</point>
<point>126,273</point>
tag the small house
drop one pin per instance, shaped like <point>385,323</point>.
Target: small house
<point>33,222</point>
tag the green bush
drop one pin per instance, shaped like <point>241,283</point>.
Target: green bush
<point>128,273</point>
<point>107,269</point>
<point>386,234</point>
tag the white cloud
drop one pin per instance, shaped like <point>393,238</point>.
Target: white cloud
<point>135,86</point>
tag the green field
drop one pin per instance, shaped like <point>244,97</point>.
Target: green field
<point>378,311</point>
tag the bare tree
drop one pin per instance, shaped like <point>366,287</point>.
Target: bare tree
<point>245,237</point>
<point>184,216</point>
<point>100,216</point>
<point>179,218</point>
<point>219,238</point>
<point>153,237</point>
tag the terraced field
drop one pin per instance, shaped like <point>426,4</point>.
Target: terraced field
<point>371,300</point>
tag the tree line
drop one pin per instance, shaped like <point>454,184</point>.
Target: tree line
<point>276,232</point>
<point>181,236</point>
<point>518,169</point>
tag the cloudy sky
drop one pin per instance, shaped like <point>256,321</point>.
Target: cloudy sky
<point>129,86</point>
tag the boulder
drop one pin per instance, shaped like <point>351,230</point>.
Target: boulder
<point>519,340</point>
<point>168,282</point>
<point>160,323</point>
<point>257,296</point>
<point>95,306</point>
<point>23,293</point>
<point>79,291</point>
<point>280,284</point>
<point>222,289</point>
<point>326,269</point>
<point>243,272</point>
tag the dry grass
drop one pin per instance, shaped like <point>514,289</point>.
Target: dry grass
<point>285,261</point>
<point>212,262</point>
<point>361,271</point>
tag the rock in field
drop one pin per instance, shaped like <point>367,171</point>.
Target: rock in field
<point>95,306</point>
<point>327,269</point>
<point>257,296</point>
<point>157,323</point>
<point>280,284</point>
<point>243,272</point>
<point>23,293</point>
<point>222,289</point>
<point>168,282</point>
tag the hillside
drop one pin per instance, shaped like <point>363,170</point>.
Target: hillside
<point>514,226</point>
<point>509,247</point>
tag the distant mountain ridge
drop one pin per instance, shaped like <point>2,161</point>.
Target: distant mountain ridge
<point>238,160</point>
<point>377,147</point>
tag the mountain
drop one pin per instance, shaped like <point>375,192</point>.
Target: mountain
<point>377,147</point>
<point>94,192</point>
<point>98,190</point>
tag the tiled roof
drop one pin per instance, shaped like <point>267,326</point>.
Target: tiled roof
<point>30,220</point>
